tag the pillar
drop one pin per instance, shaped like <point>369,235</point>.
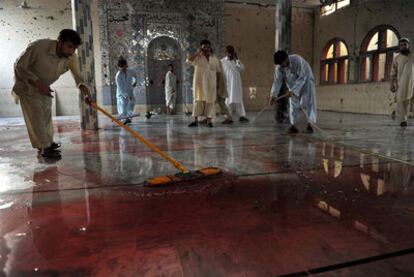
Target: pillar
<point>283,23</point>
<point>82,23</point>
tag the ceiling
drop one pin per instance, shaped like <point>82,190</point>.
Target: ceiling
<point>295,3</point>
<point>306,3</point>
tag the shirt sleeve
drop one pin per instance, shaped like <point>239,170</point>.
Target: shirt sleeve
<point>24,62</point>
<point>120,84</point>
<point>277,82</point>
<point>394,70</point>
<point>194,62</point>
<point>302,78</point>
<point>74,69</point>
<point>167,80</point>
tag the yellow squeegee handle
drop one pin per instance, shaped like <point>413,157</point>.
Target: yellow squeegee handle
<point>141,139</point>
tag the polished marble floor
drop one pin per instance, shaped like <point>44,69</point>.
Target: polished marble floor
<point>339,202</point>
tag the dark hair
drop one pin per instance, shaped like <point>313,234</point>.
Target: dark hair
<point>122,62</point>
<point>280,56</point>
<point>171,65</point>
<point>69,35</point>
<point>229,48</point>
<point>205,41</point>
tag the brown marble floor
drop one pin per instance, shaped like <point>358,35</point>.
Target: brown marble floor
<point>286,204</point>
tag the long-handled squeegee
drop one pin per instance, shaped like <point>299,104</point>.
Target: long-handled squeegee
<point>183,175</point>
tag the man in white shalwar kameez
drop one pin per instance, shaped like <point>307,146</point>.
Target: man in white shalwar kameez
<point>40,65</point>
<point>170,89</point>
<point>125,80</point>
<point>232,67</point>
<point>402,81</point>
<point>301,84</point>
<point>207,71</point>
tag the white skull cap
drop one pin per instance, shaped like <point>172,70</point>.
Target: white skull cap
<point>404,39</point>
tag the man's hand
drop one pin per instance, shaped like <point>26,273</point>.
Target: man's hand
<point>86,93</point>
<point>289,94</point>
<point>199,51</point>
<point>43,88</point>
<point>192,57</point>
<point>272,100</point>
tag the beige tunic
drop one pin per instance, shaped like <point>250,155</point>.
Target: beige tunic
<point>205,78</point>
<point>40,62</point>
<point>402,71</point>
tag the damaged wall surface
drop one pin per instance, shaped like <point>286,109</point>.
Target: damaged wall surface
<point>131,28</point>
<point>251,30</point>
<point>352,24</point>
<point>22,25</point>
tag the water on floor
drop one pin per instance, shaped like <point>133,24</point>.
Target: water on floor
<point>284,205</point>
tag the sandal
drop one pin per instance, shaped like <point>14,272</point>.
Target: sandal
<point>55,145</point>
<point>51,153</point>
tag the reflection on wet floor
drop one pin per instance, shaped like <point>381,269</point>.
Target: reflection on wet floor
<point>284,204</point>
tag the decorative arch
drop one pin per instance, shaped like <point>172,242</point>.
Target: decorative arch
<point>378,49</point>
<point>161,51</point>
<point>335,62</point>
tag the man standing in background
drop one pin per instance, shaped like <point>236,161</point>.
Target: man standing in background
<point>232,67</point>
<point>171,82</point>
<point>402,81</point>
<point>206,82</point>
<point>125,80</point>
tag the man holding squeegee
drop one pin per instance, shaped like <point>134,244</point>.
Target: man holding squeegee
<point>40,65</point>
<point>301,88</point>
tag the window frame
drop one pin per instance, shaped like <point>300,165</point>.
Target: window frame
<point>335,9</point>
<point>339,60</point>
<point>375,54</point>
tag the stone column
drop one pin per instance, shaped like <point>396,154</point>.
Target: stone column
<point>82,23</point>
<point>283,41</point>
<point>283,23</point>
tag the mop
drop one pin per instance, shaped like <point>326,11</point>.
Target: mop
<point>267,107</point>
<point>301,108</point>
<point>183,175</point>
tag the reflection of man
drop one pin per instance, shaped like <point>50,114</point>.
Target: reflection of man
<point>301,84</point>
<point>171,82</point>
<point>54,231</point>
<point>281,107</point>
<point>206,79</point>
<point>232,67</point>
<point>40,65</point>
<point>402,81</point>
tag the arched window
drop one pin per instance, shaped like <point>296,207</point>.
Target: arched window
<point>377,52</point>
<point>335,63</point>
